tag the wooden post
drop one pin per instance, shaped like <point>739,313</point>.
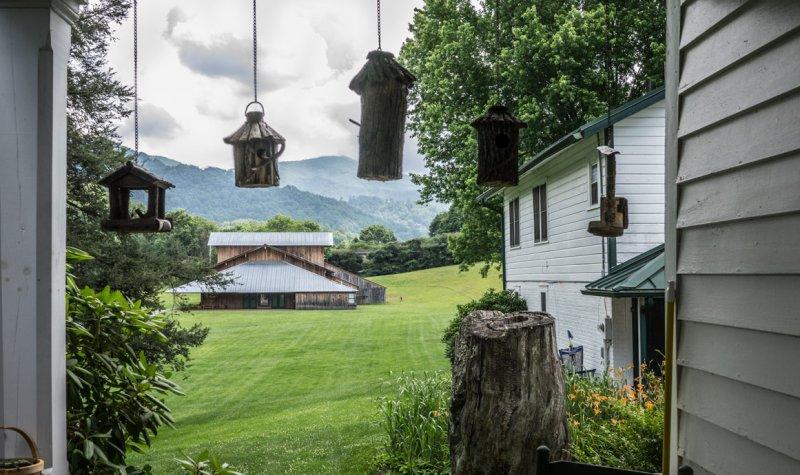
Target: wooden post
<point>508,393</point>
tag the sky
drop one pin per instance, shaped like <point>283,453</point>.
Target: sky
<point>195,73</point>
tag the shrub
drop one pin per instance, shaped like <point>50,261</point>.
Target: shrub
<point>113,392</point>
<point>415,420</point>
<point>205,464</point>
<point>504,301</point>
<point>616,424</point>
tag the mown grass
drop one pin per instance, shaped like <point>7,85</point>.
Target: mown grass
<point>296,391</point>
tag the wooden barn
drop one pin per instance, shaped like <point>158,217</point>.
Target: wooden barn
<point>276,270</point>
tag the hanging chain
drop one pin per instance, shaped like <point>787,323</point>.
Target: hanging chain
<point>255,55</point>
<point>379,25</point>
<point>136,79</point>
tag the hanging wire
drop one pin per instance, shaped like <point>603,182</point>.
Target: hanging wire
<point>379,25</point>
<point>255,55</point>
<point>136,79</point>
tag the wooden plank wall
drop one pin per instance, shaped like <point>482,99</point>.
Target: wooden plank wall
<point>734,110</point>
<point>322,301</point>
<point>315,254</point>
<point>221,301</point>
<point>368,292</point>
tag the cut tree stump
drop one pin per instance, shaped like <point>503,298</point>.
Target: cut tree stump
<point>508,393</point>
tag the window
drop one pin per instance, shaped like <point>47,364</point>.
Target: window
<point>594,183</point>
<point>543,298</point>
<point>513,222</point>
<point>351,299</point>
<point>540,213</point>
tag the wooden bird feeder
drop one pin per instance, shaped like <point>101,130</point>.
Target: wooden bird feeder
<point>613,210</point>
<point>120,183</point>
<point>256,148</point>
<point>383,85</point>
<point>498,147</point>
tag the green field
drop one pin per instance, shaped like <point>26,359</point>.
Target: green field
<point>295,391</point>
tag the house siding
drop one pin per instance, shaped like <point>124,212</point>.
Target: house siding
<point>571,257</point>
<point>733,162</point>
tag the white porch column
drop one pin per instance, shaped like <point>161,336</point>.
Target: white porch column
<point>34,49</point>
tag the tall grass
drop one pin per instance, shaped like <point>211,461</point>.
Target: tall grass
<point>415,421</point>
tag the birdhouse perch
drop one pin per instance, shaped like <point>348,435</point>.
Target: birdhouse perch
<point>613,210</point>
<point>498,147</point>
<point>120,183</point>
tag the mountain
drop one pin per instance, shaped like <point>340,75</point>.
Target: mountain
<point>322,189</point>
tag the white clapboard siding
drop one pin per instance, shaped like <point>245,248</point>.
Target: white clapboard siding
<point>733,103</point>
<point>640,179</point>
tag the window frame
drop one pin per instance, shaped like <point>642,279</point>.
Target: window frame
<point>540,233</point>
<point>543,300</point>
<point>599,195</point>
<point>513,224</point>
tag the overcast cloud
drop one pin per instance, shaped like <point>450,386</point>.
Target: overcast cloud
<point>195,73</point>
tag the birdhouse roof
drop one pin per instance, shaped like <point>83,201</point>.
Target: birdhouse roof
<point>132,176</point>
<point>254,129</point>
<point>381,67</point>
<point>498,115</point>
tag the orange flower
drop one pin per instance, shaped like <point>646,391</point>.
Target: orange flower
<point>649,405</point>
<point>614,421</point>
<point>596,411</point>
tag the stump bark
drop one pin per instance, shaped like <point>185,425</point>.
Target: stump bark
<point>508,393</point>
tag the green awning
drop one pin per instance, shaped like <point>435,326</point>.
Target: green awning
<point>641,276</point>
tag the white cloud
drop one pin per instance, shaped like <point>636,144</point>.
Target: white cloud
<point>195,67</point>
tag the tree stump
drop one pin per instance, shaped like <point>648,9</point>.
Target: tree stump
<point>508,393</point>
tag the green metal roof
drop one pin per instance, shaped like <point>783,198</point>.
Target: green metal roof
<point>586,130</point>
<point>638,277</point>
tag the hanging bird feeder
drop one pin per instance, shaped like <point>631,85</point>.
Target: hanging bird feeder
<point>498,147</point>
<point>256,148</point>
<point>613,209</point>
<point>383,85</point>
<point>120,183</point>
<point>256,145</point>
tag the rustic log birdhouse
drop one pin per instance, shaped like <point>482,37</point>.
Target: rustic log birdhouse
<point>498,147</point>
<point>383,85</point>
<point>120,183</point>
<point>613,209</point>
<point>256,148</point>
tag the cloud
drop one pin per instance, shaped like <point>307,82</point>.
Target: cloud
<point>174,16</point>
<point>154,122</point>
<point>339,49</point>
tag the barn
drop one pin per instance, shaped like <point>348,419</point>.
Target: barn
<point>281,270</point>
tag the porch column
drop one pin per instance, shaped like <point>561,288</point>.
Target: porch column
<point>34,50</point>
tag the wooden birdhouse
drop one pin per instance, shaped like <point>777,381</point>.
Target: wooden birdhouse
<point>256,148</point>
<point>498,147</point>
<point>120,183</point>
<point>613,209</point>
<point>383,85</point>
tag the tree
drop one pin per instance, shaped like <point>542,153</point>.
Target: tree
<point>556,63</point>
<point>447,222</point>
<point>277,223</point>
<point>347,259</point>
<point>377,233</point>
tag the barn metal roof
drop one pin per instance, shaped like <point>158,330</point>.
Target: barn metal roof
<point>263,277</point>
<point>271,239</point>
<point>638,277</point>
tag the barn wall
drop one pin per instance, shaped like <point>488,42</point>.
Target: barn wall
<point>733,105</point>
<point>322,301</point>
<point>221,301</point>
<point>368,292</point>
<point>226,252</point>
<point>315,254</point>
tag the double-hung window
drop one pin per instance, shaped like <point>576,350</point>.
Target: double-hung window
<point>513,222</point>
<point>594,183</point>
<point>540,213</point>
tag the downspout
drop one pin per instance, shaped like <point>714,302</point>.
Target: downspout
<point>668,377</point>
<point>611,243</point>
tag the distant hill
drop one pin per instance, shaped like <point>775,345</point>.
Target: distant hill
<point>322,189</point>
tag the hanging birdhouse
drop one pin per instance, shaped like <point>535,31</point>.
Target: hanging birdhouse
<point>383,85</point>
<point>613,209</point>
<point>498,147</point>
<point>120,183</point>
<point>256,148</point>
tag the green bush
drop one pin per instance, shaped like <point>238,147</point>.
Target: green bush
<point>205,464</point>
<point>505,301</point>
<point>616,424</point>
<point>114,394</point>
<point>415,420</point>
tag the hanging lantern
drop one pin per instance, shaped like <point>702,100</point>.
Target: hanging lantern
<point>383,85</point>
<point>498,147</point>
<point>120,183</point>
<point>256,148</point>
<point>613,209</point>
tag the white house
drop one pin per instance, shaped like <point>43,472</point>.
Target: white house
<point>557,266</point>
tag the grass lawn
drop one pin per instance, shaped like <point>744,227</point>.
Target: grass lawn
<point>295,391</point>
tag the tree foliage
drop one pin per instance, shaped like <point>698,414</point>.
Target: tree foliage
<point>114,393</point>
<point>277,223</point>
<point>556,63</point>
<point>377,233</point>
<point>447,222</point>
